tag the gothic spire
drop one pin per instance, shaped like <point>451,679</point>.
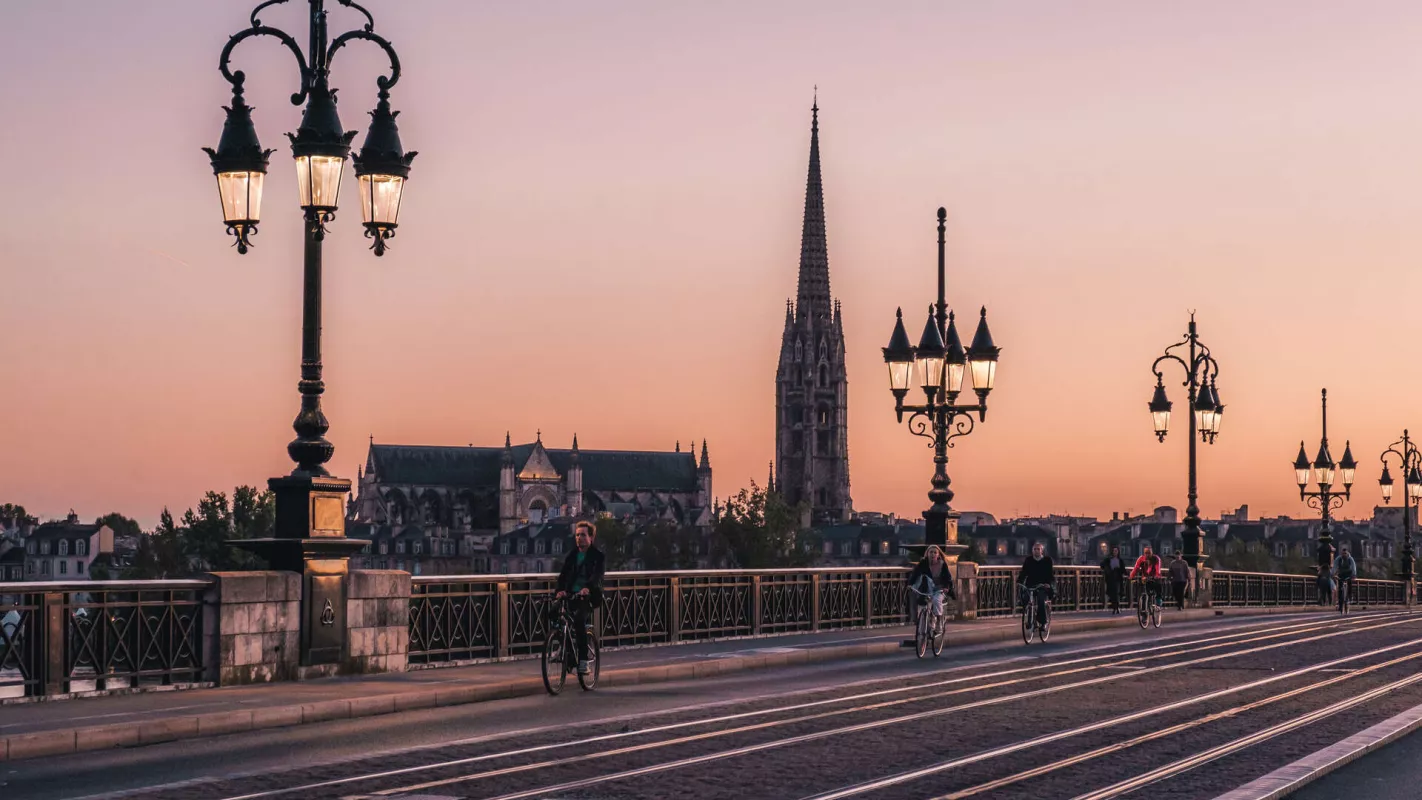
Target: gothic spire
<point>813,295</point>
<point>705,459</point>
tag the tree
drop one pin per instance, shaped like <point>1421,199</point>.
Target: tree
<point>159,553</point>
<point>14,513</point>
<point>974,553</point>
<point>122,526</point>
<point>612,540</point>
<point>757,529</point>
<point>668,546</point>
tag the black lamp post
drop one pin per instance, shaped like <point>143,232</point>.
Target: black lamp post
<point>942,364</point>
<point>1410,461</point>
<point>1324,472</point>
<point>1201,370</point>
<point>310,517</point>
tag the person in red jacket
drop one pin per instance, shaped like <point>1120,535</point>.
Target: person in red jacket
<point>1148,569</point>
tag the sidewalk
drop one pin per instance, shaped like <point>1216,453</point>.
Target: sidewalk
<point>33,730</point>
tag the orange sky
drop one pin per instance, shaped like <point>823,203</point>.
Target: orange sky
<point>603,226</point>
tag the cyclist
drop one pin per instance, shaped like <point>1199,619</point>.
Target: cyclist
<point>1037,573</point>
<point>581,582</point>
<point>934,567</point>
<point>1147,568</point>
<point>1345,569</point>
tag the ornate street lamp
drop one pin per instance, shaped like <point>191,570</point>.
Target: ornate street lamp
<point>310,503</point>
<point>1201,370</point>
<point>1325,499</point>
<point>942,364</point>
<point>1410,464</point>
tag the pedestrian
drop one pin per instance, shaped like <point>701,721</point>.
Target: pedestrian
<point>1113,570</point>
<point>1179,579</point>
<point>1325,586</point>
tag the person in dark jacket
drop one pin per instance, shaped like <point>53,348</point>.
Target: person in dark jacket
<point>1113,568</point>
<point>1179,579</point>
<point>581,582</point>
<point>1037,571</point>
<point>937,569</point>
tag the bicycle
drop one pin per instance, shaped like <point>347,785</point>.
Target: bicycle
<point>928,626</point>
<point>1345,601</point>
<point>1030,625</point>
<point>560,650</point>
<point>1147,612</point>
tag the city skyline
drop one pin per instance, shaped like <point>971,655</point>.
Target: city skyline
<point>1099,187</point>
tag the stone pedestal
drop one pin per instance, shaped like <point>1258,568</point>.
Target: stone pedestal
<point>378,617</point>
<point>257,630</point>
<point>967,590</point>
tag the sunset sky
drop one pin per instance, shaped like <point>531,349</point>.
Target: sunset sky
<point>603,225</point>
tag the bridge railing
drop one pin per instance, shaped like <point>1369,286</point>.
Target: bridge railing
<point>461,618</point>
<point>65,637</point>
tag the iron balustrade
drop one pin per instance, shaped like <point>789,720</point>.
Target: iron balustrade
<point>463,618</point>
<point>59,637</point>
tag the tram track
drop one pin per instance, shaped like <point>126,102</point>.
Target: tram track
<point>1081,664</point>
<point>705,758</point>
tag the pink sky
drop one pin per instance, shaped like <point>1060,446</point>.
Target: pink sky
<point>603,226</point>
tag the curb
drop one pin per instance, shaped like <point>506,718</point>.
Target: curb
<point>65,741</point>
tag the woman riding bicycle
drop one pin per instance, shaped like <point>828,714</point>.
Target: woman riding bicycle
<point>935,568</point>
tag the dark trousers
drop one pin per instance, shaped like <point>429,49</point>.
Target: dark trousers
<point>1113,593</point>
<point>582,611</point>
<point>1177,590</point>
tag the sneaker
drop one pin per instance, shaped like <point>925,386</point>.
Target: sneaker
<point>582,667</point>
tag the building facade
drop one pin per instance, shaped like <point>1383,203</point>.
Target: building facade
<point>65,550</point>
<point>811,383</point>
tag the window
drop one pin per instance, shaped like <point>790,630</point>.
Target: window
<point>44,548</point>
<point>824,375</point>
<point>64,547</point>
<point>417,547</point>
<point>29,568</point>
<point>1021,547</point>
<point>1165,548</point>
<point>799,351</point>
<point>844,548</point>
<point>824,416</point>
<point>863,548</point>
<point>384,548</point>
<point>399,563</point>
<point>522,548</point>
<point>30,548</point>
<point>79,567</point>
<point>1280,549</point>
<point>1103,548</point>
<point>884,547</point>
<point>797,441</point>
<point>44,567</point>
<point>400,547</point>
<point>64,568</point>
<point>829,548</point>
<point>1002,548</point>
<point>81,547</point>
<point>538,547</point>
<point>824,445</point>
<point>504,547</point>
<point>557,546</point>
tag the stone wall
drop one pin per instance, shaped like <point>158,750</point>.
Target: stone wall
<point>257,635</point>
<point>378,621</point>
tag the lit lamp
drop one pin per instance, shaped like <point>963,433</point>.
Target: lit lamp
<point>1414,484</point>
<point>320,148</point>
<point>1301,468</point>
<point>1323,466</point>
<point>1160,411</point>
<point>956,359</point>
<point>982,360</point>
<point>1386,483</point>
<point>930,356</point>
<point>1349,466</point>
<point>240,164</point>
<point>1204,412</point>
<point>382,166</point>
<point>1219,411</point>
<point>899,356</point>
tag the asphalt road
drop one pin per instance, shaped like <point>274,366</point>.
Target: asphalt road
<point>1187,711</point>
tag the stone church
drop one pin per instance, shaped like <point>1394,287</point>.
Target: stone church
<point>488,490</point>
<point>811,385</point>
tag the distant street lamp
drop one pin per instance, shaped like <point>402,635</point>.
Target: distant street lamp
<point>1201,369</point>
<point>310,503</point>
<point>1410,462</point>
<point>1324,472</point>
<point>941,363</point>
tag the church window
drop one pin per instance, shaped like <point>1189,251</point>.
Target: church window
<point>799,351</point>
<point>81,547</point>
<point>823,350</point>
<point>824,415</point>
<point>537,510</point>
<point>824,375</point>
<point>64,547</point>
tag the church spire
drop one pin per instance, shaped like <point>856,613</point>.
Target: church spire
<point>813,295</point>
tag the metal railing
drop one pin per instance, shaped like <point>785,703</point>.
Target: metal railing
<point>1262,589</point>
<point>58,638</point>
<point>460,618</point>
<point>1078,588</point>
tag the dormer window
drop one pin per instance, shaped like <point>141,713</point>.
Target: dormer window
<point>64,547</point>
<point>81,547</point>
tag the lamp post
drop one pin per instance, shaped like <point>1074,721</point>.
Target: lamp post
<point>1201,370</point>
<point>942,363</point>
<point>310,519</point>
<point>1325,499</point>
<point>1410,461</point>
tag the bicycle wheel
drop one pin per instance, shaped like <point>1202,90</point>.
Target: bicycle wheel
<point>588,680</point>
<point>1143,609</point>
<point>1156,614</point>
<point>940,637</point>
<point>554,654</point>
<point>1028,623</point>
<point>920,634</point>
<point>1047,625</point>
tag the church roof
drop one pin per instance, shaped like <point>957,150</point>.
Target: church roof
<point>603,470</point>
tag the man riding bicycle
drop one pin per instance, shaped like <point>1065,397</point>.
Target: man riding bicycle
<point>1037,577</point>
<point>933,567</point>
<point>1344,569</point>
<point>581,582</point>
<point>1147,568</point>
